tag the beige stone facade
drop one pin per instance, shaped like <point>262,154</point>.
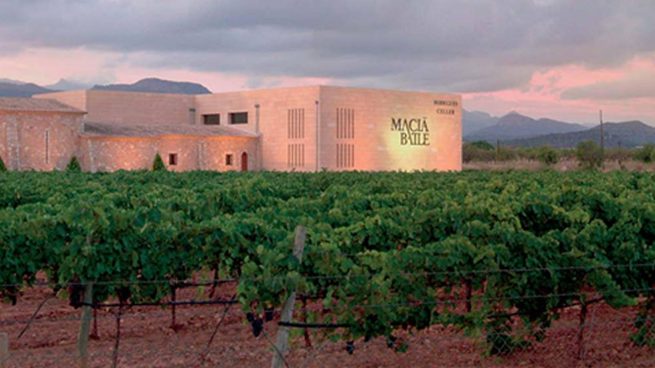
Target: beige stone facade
<point>283,129</point>
<point>38,135</point>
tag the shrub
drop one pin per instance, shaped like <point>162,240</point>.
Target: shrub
<point>3,168</point>
<point>506,154</point>
<point>74,165</point>
<point>483,145</point>
<point>158,164</point>
<point>618,154</point>
<point>548,155</point>
<point>477,151</point>
<point>646,153</point>
<point>589,154</point>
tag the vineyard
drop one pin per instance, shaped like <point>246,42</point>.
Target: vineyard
<point>499,256</point>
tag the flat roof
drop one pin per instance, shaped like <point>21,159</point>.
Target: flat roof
<point>151,130</point>
<point>26,104</point>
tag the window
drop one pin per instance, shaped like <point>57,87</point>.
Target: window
<point>172,159</point>
<point>211,119</point>
<point>192,116</point>
<point>228,159</point>
<point>238,118</point>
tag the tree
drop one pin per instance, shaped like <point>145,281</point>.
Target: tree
<point>548,155</point>
<point>3,168</point>
<point>158,164</point>
<point>646,153</point>
<point>477,151</point>
<point>483,145</point>
<point>589,154</point>
<point>74,165</point>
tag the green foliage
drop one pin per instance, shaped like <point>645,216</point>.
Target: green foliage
<point>158,164</point>
<point>3,168</point>
<point>506,154</point>
<point>589,155</point>
<point>483,145</point>
<point>477,151</point>
<point>74,165</point>
<point>646,153</point>
<point>384,251</point>
<point>548,155</point>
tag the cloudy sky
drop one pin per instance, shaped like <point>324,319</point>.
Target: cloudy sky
<point>557,58</point>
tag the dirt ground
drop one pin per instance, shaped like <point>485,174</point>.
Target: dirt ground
<point>148,341</point>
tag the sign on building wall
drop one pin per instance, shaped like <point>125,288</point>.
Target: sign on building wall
<point>412,132</point>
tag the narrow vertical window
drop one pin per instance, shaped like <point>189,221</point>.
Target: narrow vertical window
<point>228,159</point>
<point>47,146</point>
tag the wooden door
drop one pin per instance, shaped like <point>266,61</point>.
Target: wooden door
<point>244,161</point>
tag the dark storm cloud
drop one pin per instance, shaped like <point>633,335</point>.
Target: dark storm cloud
<point>467,45</point>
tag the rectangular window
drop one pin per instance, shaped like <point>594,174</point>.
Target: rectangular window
<point>211,119</point>
<point>228,159</point>
<point>238,118</point>
<point>172,159</point>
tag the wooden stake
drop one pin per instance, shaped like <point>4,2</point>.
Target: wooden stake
<point>83,338</point>
<point>4,349</point>
<point>282,340</point>
<point>117,341</point>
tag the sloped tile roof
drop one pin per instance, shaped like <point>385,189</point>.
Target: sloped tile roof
<point>18,104</point>
<point>123,130</point>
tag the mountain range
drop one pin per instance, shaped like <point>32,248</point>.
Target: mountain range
<point>516,126</point>
<point>12,88</point>
<point>628,134</point>
<point>518,130</point>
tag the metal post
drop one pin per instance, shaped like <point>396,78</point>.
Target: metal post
<point>602,136</point>
<point>258,146</point>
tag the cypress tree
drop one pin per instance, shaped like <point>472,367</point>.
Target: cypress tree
<point>158,164</point>
<point>74,165</point>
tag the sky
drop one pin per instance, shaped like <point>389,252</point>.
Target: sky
<point>562,59</point>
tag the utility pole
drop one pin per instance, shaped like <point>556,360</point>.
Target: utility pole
<point>602,135</point>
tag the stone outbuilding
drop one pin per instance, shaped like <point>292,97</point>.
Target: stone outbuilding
<point>38,134</point>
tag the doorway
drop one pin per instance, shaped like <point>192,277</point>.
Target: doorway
<point>244,161</point>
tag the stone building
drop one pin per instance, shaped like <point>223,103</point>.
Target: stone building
<point>283,129</point>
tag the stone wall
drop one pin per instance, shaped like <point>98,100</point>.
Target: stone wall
<point>193,152</point>
<point>356,127</point>
<point>357,132</point>
<point>285,118</point>
<point>3,140</point>
<point>40,141</point>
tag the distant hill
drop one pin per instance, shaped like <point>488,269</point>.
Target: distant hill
<point>11,81</point>
<point>155,85</point>
<point>12,89</point>
<point>626,134</point>
<point>475,120</point>
<point>516,126</point>
<point>67,85</point>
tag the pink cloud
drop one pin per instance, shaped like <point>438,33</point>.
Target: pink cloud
<point>542,97</point>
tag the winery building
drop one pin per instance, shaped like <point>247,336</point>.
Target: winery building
<point>282,129</point>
